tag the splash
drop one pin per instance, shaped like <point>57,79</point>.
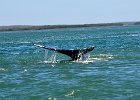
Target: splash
<point>70,94</point>
<point>51,59</point>
<point>88,58</point>
<point>46,55</point>
<point>85,59</point>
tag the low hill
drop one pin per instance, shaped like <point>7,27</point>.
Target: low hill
<point>30,27</point>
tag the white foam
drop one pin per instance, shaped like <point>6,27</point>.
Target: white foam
<point>135,35</point>
<point>25,42</point>
<point>25,70</point>
<point>70,94</point>
<point>2,69</point>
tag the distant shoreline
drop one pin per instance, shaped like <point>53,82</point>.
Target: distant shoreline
<point>42,27</point>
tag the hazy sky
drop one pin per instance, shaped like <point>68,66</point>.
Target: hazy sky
<point>50,12</point>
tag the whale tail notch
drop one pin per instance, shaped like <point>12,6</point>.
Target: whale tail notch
<point>75,54</point>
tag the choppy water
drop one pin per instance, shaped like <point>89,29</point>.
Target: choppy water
<point>112,71</point>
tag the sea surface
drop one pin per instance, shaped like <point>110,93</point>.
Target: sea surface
<point>111,71</point>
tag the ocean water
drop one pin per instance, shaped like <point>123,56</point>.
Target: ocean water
<point>111,71</point>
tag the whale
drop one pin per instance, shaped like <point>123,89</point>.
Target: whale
<point>75,54</point>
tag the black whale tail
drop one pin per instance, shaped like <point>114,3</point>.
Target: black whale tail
<point>74,54</point>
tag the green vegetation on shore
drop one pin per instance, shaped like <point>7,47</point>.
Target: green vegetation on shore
<point>28,27</point>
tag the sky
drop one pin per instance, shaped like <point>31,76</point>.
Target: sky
<point>66,12</point>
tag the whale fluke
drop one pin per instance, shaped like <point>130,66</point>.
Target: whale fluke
<point>75,54</point>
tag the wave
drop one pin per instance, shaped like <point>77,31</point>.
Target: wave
<point>15,42</point>
<point>129,35</point>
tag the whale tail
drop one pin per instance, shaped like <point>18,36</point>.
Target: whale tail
<point>74,54</point>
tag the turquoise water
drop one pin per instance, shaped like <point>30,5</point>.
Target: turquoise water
<point>111,72</point>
